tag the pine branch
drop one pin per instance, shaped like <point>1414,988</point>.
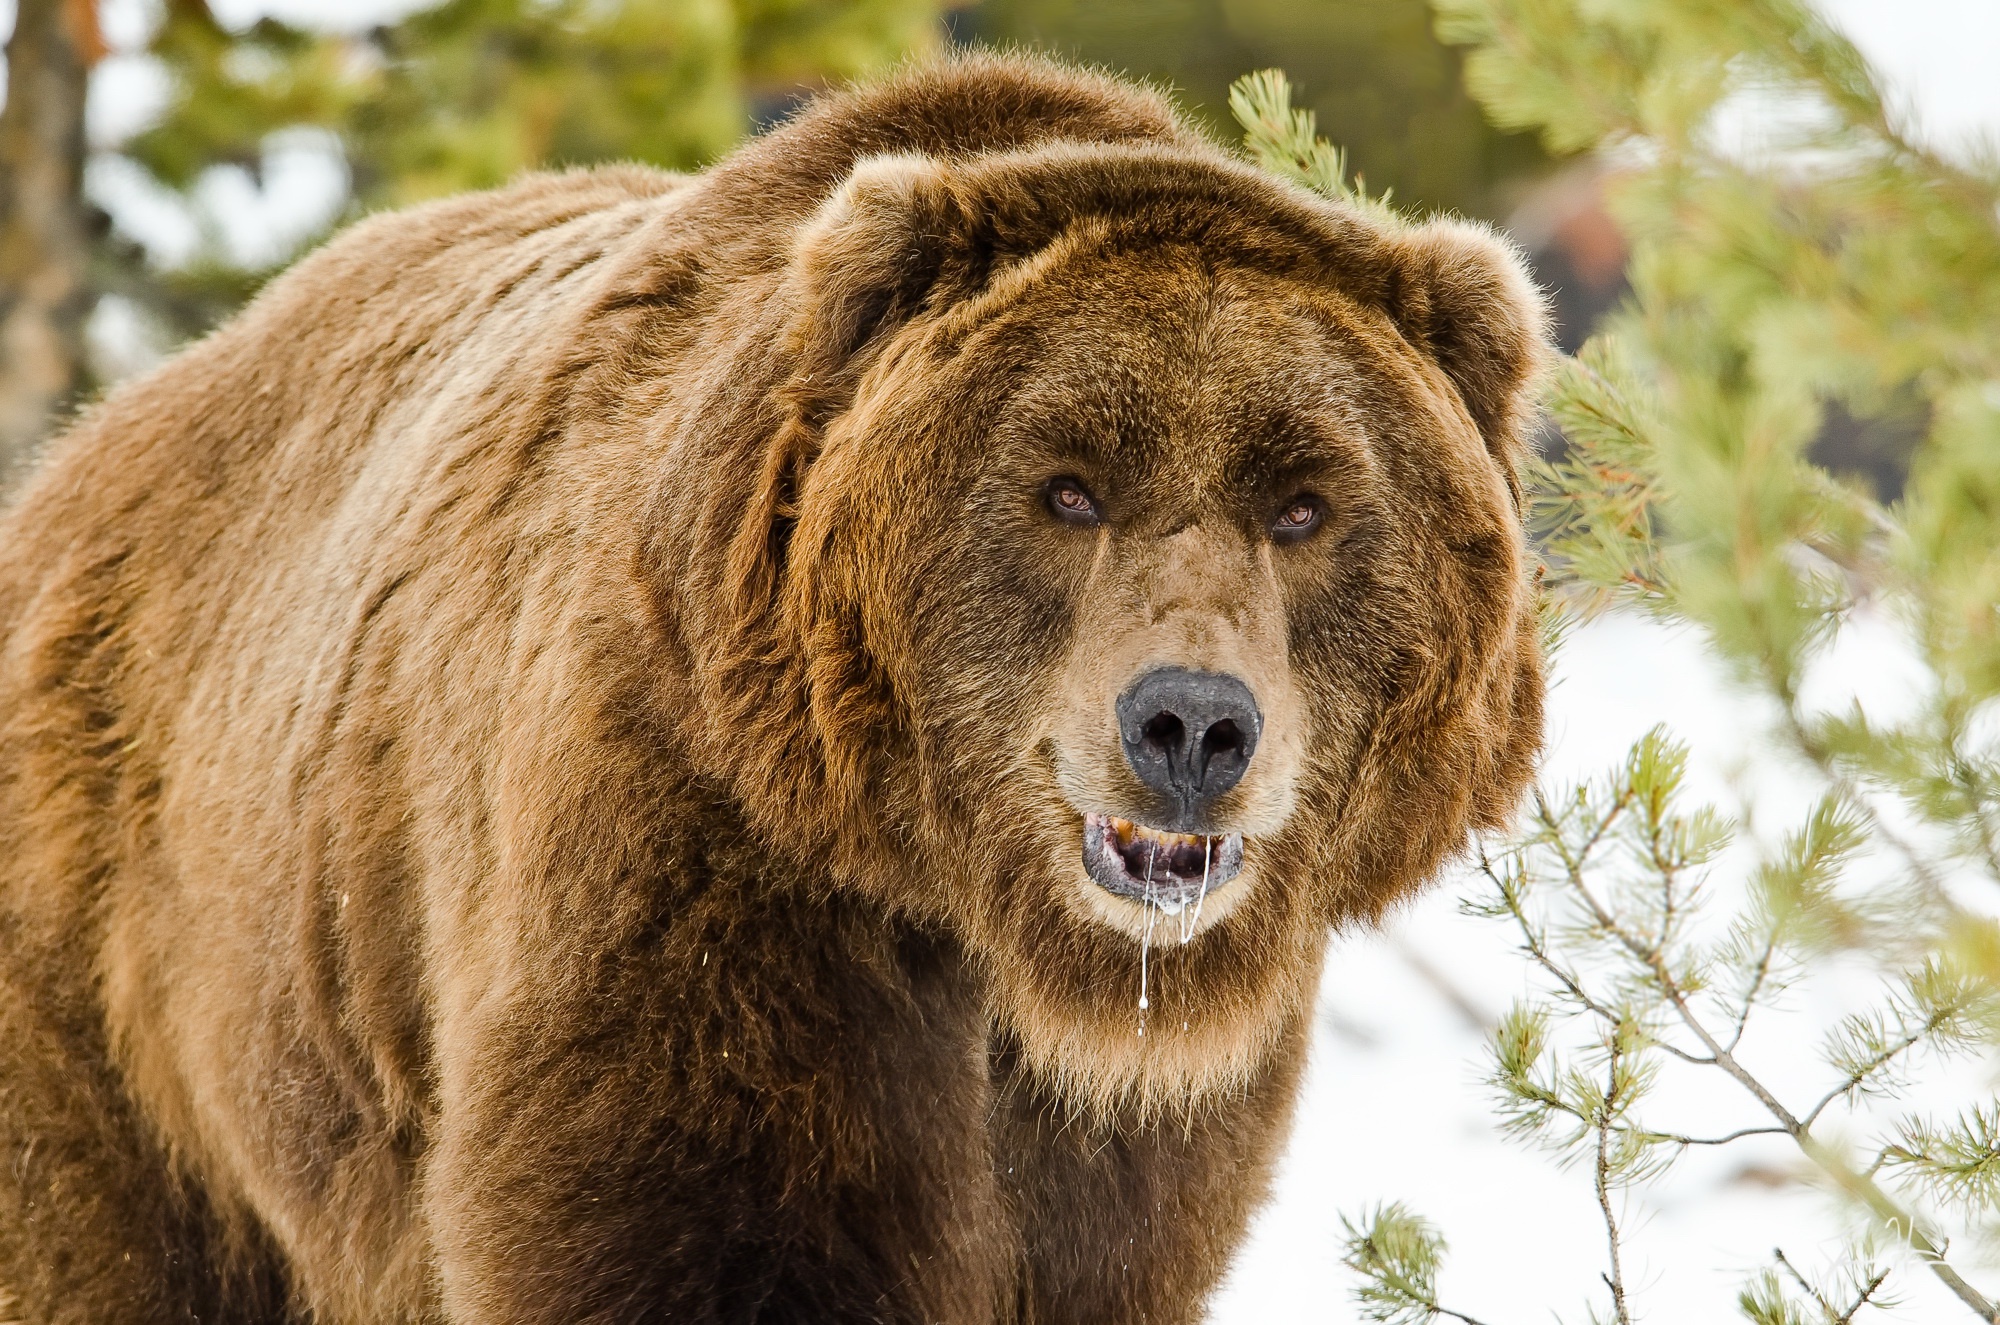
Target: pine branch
<point>1862,1298</point>
<point>1961,1165</point>
<point>1861,1072</point>
<point>1833,1314</point>
<point>1536,946</point>
<point>1760,294</point>
<point>1397,1254</point>
<point>1927,1247</point>
<point>1860,1186</point>
<point>1286,142</point>
<point>1762,973</point>
<point>1851,792</point>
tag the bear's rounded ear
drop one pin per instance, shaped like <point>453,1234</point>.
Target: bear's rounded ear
<point>863,265</point>
<point>1464,295</point>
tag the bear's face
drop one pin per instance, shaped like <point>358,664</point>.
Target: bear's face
<point>1160,570</point>
<point>1193,598</point>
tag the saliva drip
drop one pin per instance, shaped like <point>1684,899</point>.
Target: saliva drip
<point>1146,942</point>
<point>1187,917</point>
<point>1189,926</point>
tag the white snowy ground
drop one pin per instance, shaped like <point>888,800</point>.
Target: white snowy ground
<point>1394,1108</point>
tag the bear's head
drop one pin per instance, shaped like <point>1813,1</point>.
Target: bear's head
<point>1131,572</point>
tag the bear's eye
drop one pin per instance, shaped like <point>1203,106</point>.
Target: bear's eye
<point>1300,517</point>
<point>1071,502</point>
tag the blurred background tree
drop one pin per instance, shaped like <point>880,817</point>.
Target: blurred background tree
<point>458,95</point>
<point>45,230</point>
<point>467,93</point>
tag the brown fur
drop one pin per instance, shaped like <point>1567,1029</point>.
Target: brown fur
<point>540,767</point>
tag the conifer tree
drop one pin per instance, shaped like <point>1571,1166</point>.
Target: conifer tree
<point>457,95</point>
<point>1838,263</point>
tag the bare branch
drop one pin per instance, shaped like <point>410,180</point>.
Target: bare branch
<point>1674,1138</point>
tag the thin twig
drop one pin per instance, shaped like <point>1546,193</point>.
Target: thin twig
<point>1833,1315</point>
<point>1554,824</point>
<point>1866,1295</point>
<point>1532,945</point>
<point>1866,1070</point>
<point>1674,1138</point>
<point>1803,1282</point>
<point>1756,987</point>
<point>1616,1279</point>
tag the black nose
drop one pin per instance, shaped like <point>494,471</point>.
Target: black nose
<point>1189,735</point>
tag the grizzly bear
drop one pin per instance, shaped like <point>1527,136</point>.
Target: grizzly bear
<point>775,745</point>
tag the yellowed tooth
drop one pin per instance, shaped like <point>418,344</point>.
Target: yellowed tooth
<point>1154,835</point>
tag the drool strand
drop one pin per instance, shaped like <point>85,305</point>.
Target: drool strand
<point>1146,943</point>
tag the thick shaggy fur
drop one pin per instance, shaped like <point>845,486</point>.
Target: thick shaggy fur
<point>541,767</point>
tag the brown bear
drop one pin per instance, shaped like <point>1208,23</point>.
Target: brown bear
<point>778,745</point>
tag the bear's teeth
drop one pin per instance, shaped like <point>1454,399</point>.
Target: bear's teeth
<point>1130,832</point>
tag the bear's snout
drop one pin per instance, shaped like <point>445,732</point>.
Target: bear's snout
<point>1189,737</point>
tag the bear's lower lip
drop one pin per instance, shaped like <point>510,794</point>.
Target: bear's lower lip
<point>1170,870</point>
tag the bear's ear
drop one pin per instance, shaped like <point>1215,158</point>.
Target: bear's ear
<point>1464,295</point>
<point>863,265</point>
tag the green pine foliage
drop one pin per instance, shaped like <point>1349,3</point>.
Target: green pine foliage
<point>1836,262</point>
<point>1397,1255</point>
<point>1286,140</point>
<point>467,94</point>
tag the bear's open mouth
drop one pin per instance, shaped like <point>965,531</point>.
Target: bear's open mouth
<point>1169,870</point>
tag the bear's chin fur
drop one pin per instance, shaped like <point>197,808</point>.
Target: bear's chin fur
<point>529,759</point>
<point>1220,990</point>
<point>1202,1038</point>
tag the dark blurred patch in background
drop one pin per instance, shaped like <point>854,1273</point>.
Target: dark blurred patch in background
<point>1380,82</point>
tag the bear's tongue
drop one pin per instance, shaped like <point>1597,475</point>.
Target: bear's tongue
<point>1151,854</point>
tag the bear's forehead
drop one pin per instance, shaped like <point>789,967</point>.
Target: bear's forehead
<point>1250,365</point>
<point>1166,318</point>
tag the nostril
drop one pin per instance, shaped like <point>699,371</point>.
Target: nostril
<point>1164,730</point>
<point>1224,737</point>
